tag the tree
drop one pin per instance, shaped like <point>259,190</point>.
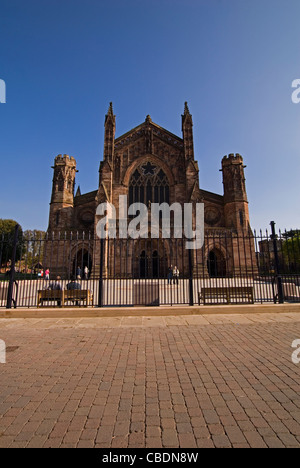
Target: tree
<point>34,247</point>
<point>291,251</point>
<point>7,232</point>
<point>290,234</point>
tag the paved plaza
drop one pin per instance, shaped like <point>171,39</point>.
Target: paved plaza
<point>188,381</point>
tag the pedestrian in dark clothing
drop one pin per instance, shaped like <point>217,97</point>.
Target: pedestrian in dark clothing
<point>74,286</point>
<point>78,272</point>
<point>56,286</point>
<point>170,274</point>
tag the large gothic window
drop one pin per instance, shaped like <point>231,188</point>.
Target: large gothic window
<point>149,184</point>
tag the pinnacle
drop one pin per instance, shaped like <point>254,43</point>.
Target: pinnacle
<point>110,109</point>
<point>186,109</point>
<point>110,114</point>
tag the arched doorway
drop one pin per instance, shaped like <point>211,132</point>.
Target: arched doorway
<point>151,263</point>
<point>216,264</point>
<point>82,264</point>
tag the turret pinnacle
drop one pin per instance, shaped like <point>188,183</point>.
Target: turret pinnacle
<point>110,109</point>
<point>110,113</point>
<point>186,109</point>
<point>186,116</point>
<point>109,134</point>
<point>187,131</point>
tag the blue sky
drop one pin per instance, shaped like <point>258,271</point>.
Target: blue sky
<point>232,60</point>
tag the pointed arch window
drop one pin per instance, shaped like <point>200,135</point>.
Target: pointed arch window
<point>149,184</point>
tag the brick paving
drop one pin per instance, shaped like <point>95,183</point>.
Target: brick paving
<point>184,381</point>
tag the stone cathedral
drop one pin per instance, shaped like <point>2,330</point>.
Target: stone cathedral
<point>150,164</point>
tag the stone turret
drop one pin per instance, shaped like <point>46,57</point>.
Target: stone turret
<point>62,200</point>
<point>235,196</point>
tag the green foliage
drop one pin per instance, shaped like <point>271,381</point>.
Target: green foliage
<point>291,251</point>
<point>7,226</point>
<point>7,232</point>
<point>34,247</point>
<point>292,233</point>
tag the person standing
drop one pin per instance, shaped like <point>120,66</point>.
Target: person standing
<point>176,275</point>
<point>78,272</point>
<point>47,274</point>
<point>170,274</point>
<point>86,273</point>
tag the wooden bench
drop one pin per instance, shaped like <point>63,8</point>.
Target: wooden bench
<point>61,297</point>
<point>228,295</point>
<point>50,295</point>
<point>79,295</point>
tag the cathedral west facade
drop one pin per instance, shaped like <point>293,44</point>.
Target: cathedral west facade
<point>149,164</point>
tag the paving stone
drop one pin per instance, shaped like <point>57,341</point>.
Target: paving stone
<point>171,382</point>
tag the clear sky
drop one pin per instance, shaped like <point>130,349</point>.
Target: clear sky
<point>234,61</point>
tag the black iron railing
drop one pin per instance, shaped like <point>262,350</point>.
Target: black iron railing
<point>79,269</point>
